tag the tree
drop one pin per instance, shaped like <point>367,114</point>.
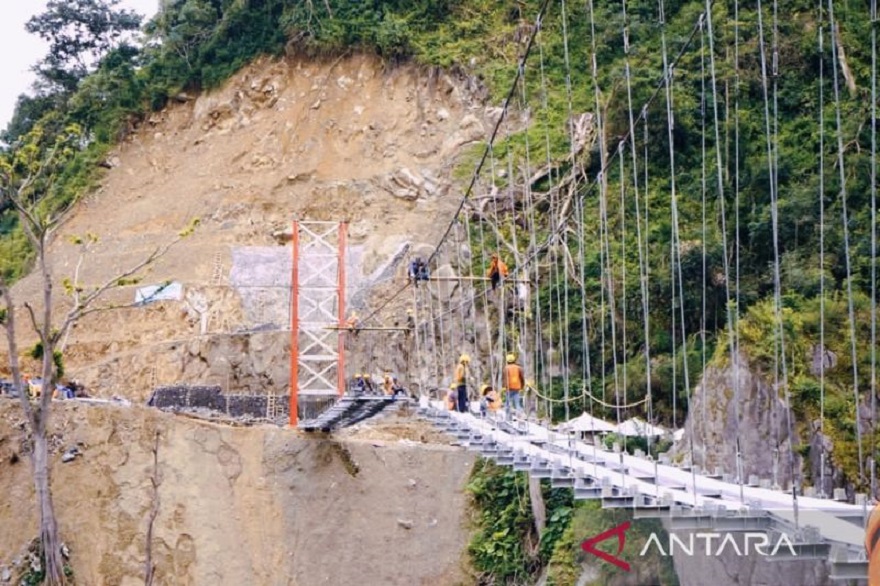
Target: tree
<point>79,33</point>
<point>26,174</point>
<point>28,110</point>
<point>183,28</point>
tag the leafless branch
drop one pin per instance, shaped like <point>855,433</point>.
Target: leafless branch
<point>81,306</point>
<point>32,316</point>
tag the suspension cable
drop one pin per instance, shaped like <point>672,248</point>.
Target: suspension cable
<point>779,338</point>
<point>676,236</point>
<point>846,246</point>
<point>732,316</point>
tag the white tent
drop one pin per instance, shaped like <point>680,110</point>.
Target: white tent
<point>636,427</point>
<point>587,423</point>
<point>678,434</point>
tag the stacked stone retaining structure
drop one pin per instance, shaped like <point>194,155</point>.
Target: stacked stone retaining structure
<point>212,398</point>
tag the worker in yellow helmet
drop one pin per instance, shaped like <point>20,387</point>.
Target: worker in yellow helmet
<point>514,381</point>
<point>459,379</point>
<point>451,397</point>
<point>357,383</point>
<point>353,323</point>
<point>368,384</point>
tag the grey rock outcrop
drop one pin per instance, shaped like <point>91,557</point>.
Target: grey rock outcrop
<point>735,405</point>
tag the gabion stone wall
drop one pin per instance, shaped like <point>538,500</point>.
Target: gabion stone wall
<point>211,398</point>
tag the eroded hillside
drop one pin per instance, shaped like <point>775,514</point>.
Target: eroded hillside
<point>241,505</point>
<point>342,140</point>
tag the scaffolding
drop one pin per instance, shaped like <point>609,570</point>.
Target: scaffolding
<point>317,312</point>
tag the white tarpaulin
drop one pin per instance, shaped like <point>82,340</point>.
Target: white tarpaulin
<point>638,427</point>
<point>587,423</point>
<point>169,291</point>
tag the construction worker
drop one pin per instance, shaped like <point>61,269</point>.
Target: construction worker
<point>514,381</point>
<point>353,323</point>
<point>459,379</point>
<point>410,322</point>
<point>489,400</point>
<point>418,271</point>
<point>497,270</point>
<point>358,384</point>
<point>451,397</point>
<point>388,384</point>
<point>396,387</point>
<point>368,385</point>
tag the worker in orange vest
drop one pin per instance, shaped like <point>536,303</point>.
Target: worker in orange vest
<point>497,270</point>
<point>872,546</point>
<point>514,381</point>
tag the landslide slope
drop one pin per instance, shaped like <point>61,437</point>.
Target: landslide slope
<point>239,505</point>
<point>341,140</point>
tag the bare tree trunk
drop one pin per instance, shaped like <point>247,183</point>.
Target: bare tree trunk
<point>539,511</point>
<point>37,419</point>
<point>844,65</point>
<point>39,423</point>
<point>48,524</point>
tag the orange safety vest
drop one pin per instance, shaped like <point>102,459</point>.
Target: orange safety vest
<point>872,547</point>
<point>497,266</point>
<point>513,375</point>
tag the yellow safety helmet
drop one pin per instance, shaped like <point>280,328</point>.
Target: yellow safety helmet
<point>484,388</point>
<point>357,375</point>
<point>511,358</point>
<point>464,358</point>
<point>453,386</point>
<point>367,375</point>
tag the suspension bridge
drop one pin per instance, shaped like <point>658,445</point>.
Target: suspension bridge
<point>602,317</point>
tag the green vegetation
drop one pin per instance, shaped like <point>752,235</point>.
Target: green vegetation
<point>102,83</point>
<point>505,549</point>
<point>803,329</point>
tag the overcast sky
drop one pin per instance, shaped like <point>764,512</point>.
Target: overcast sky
<point>21,50</point>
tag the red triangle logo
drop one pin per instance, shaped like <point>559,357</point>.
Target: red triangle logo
<point>589,545</point>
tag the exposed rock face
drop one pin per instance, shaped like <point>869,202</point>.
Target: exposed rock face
<point>282,139</point>
<point>728,568</point>
<point>735,406</point>
<point>264,506</point>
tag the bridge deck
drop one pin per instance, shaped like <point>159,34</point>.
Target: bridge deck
<point>348,410</point>
<point>825,527</point>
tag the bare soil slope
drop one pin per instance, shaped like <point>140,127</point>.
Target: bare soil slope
<point>256,506</point>
<point>342,140</point>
